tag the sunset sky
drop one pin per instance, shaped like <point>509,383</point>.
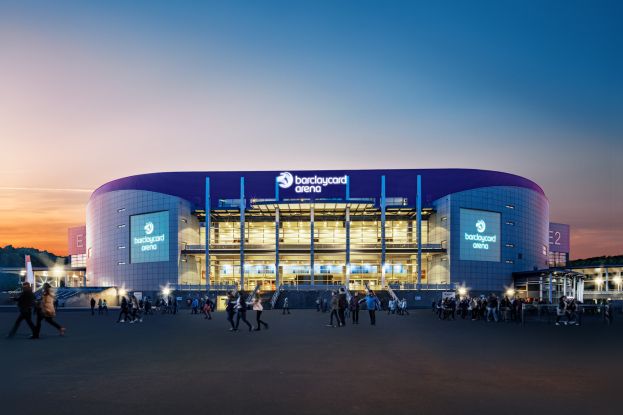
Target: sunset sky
<point>93,91</point>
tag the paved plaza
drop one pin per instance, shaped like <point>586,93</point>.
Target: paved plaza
<point>415,364</point>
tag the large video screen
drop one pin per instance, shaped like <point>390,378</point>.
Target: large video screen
<point>480,235</point>
<point>149,237</point>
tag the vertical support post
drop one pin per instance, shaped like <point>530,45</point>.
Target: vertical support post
<point>607,280</point>
<point>581,290</point>
<point>551,289</point>
<point>277,279</point>
<point>347,188</point>
<point>564,285</point>
<point>311,246</point>
<point>347,259</point>
<point>541,288</point>
<point>208,226</point>
<point>383,247</point>
<point>419,230</point>
<point>242,232</point>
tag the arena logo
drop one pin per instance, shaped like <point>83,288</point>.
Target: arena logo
<point>149,243</point>
<point>480,241</point>
<point>308,184</point>
<point>149,228</point>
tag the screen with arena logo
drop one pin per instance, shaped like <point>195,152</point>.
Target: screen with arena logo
<point>480,235</point>
<point>149,237</point>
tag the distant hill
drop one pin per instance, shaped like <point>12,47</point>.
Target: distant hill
<point>598,260</point>
<point>14,257</point>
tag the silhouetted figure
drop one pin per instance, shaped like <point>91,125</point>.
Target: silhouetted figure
<point>25,302</point>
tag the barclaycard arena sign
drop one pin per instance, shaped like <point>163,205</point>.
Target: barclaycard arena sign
<point>308,184</point>
<point>480,235</point>
<point>149,237</point>
<point>480,241</point>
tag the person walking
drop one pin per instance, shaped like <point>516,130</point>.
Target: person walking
<point>47,312</point>
<point>136,311</point>
<point>124,311</point>
<point>105,306</point>
<point>231,310</point>
<point>99,307</point>
<point>354,308</point>
<point>25,302</point>
<point>492,308</point>
<point>257,307</point>
<point>372,304</point>
<point>92,306</point>
<point>403,306</point>
<point>207,309</point>
<point>318,301</point>
<point>241,308</point>
<point>561,309</point>
<point>342,304</point>
<point>334,306</point>
<point>286,306</point>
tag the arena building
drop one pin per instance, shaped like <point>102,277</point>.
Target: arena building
<point>423,229</point>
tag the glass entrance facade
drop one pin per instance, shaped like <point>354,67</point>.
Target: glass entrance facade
<point>303,244</point>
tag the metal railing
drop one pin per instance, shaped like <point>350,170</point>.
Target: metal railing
<point>310,287</point>
<point>392,293</point>
<point>318,245</point>
<point>275,297</point>
<point>348,295</point>
<point>253,293</point>
<point>425,287</point>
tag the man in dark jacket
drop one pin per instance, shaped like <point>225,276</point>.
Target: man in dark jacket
<point>25,302</point>
<point>342,303</point>
<point>354,308</point>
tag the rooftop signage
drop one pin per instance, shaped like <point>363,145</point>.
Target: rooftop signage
<point>309,184</point>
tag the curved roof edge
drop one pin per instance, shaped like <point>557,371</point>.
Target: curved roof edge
<point>436,183</point>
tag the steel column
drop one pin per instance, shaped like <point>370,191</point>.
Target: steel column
<point>419,229</point>
<point>347,262</point>
<point>311,246</point>
<point>383,206</point>
<point>277,248</point>
<point>207,233</point>
<point>347,188</point>
<point>242,233</point>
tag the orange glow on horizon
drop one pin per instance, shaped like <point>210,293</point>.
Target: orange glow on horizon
<point>40,218</point>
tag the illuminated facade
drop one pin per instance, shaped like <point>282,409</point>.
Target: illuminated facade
<point>425,229</point>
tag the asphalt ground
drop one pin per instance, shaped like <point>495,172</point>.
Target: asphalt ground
<point>417,364</point>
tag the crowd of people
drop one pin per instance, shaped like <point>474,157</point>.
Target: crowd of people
<point>489,309</point>
<point>340,306</point>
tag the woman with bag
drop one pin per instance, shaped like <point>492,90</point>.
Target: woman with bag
<point>47,312</point>
<point>257,307</point>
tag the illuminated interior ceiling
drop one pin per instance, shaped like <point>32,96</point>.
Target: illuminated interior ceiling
<point>301,208</point>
